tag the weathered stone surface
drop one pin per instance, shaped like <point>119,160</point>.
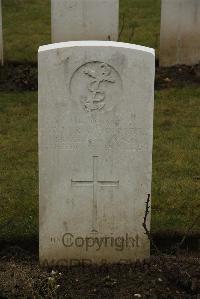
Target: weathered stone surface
<point>95,150</point>
<point>84,20</point>
<point>180,32</point>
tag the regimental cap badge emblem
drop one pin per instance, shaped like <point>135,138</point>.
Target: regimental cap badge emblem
<point>97,86</point>
<point>95,99</point>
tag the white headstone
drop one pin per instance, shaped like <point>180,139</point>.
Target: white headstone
<point>180,32</point>
<point>84,20</point>
<point>1,35</point>
<point>95,150</point>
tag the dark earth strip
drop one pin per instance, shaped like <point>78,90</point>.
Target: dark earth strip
<point>23,76</point>
<point>164,277</point>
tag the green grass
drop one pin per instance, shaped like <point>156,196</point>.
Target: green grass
<point>175,196</point>
<point>176,159</point>
<point>141,22</point>
<point>27,25</point>
<point>18,165</point>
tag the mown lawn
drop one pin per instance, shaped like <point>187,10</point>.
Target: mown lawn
<point>18,165</point>
<point>176,158</point>
<point>175,196</point>
<point>26,26</point>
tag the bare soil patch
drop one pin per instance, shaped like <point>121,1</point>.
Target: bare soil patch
<point>161,277</point>
<point>177,76</point>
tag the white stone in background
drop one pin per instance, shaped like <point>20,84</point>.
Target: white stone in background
<point>180,32</point>
<point>84,20</point>
<point>1,35</point>
<point>95,150</point>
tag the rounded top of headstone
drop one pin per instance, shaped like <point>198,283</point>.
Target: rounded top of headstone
<point>72,44</point>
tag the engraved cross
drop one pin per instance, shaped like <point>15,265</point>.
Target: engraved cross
<point>95,183</point>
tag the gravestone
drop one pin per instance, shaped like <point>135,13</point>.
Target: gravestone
<point>95,150</point>
<point>84,20</point>
<point>1,35</point>
<point>180,32</point>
